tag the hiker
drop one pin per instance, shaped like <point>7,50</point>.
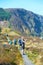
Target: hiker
<point>15,41</point>
<point>9,41</point>
<point>20,43</point>
<point>23,46</point>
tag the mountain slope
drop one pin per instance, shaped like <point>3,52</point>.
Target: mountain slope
<point>25,21</point>
<point>4,15</point>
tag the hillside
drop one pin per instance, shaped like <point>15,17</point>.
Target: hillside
<point>26,22</point>
<point>4,15</point>
<point>10,55</point>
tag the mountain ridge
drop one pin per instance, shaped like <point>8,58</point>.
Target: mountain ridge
<point>25,21</point>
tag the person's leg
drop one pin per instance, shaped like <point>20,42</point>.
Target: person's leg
<point>23,51</point>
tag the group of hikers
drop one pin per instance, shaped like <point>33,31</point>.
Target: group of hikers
<point>20,42</point>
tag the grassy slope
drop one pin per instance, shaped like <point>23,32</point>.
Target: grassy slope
<point>10,55</point>
<point>34,50</point>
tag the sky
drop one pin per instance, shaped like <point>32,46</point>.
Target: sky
<point>35,6</point>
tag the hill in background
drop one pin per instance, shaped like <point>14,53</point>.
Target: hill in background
<point>23,21</point>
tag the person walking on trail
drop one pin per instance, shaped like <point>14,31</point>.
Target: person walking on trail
<point>23,46</point>
<point>15,41</point>
<point>9,41</point>
<point>20,43</point>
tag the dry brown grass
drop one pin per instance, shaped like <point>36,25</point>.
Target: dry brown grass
<point>10,55</point>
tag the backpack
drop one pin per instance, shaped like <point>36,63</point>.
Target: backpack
<point>20,42</point>
<point>10,42</point>
<point>15,42</point>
